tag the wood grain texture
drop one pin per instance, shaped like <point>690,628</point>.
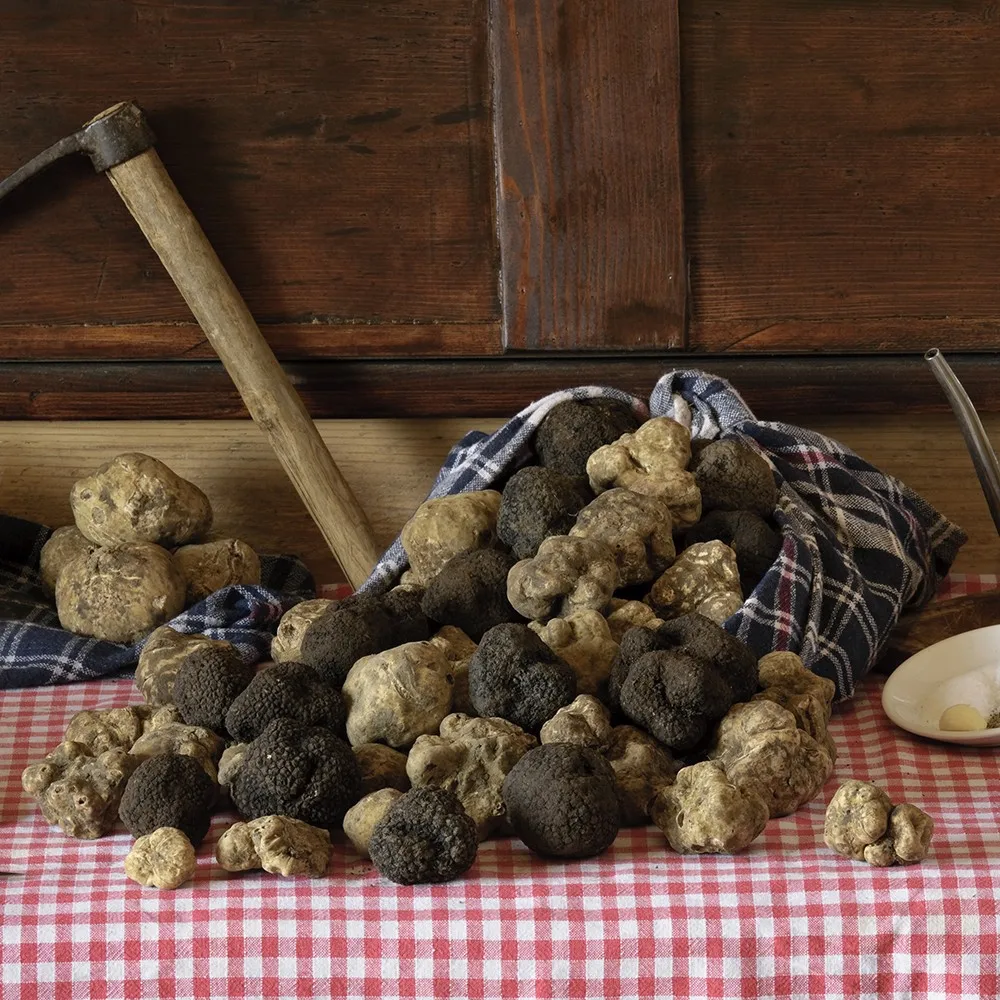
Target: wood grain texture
<point>337,155</point>
<point>797,389</point>
<point>840,174</point>
<point>590,213</point>
<point>390,465</point>
<point>271,400</point>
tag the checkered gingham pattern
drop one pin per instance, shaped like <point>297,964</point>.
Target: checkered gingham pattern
<point>786,919</point>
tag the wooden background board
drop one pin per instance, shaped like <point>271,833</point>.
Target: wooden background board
<point>391,465</point>
<point>336,153</point>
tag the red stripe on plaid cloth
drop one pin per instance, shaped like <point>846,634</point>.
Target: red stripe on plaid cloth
<point>786,919</point>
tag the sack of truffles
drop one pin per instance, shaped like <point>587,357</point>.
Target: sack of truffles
<point>592,502</point>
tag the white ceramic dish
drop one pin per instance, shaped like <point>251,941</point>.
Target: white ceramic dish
<point>964,669</point>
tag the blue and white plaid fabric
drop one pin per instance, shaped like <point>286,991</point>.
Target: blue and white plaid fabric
<point>858,545</point>
<point>34,650</point>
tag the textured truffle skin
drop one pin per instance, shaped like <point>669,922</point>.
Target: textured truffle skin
<point>562,801</point>
<point>119,593</point>
<point>211,566</point>
<point>425,836</point>
<point>342,634</point>
<point>381,767</point>
<point>278,844</point>
<point>538,502</point>
<point>470,592</point>
<point>169,790</point>
<point>566,574</point>
<point>652,461</point>
<point>176,738</point>
<point>638,529</point>
<point>458,649</point>
<point>64,545</point>
<point>628,614</point>
<point>732,476</point>
<point>135,498</point>
<point>642,769</point>
<point>513,675</point>
<point>585,722</point>
<point>287,642</point>
<point>362,818</point>
<point>206,685</point>
<point>397,695</point>
<point>408,622</point>
<point>756,544</point>
<point>703,812</point>
<point>163,859</point>
<point>101,729</point>
<point>306,772</point>
<point>162,654</point>
<point>285,691</point>
<point>443,527</point>
<point>583,640</point>
<point>573,430</point>
<point>705,578</point>
<point>906,841</point>
<point>78,792</point>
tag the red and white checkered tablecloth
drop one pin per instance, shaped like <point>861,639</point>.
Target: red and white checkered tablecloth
<point>786,919</point>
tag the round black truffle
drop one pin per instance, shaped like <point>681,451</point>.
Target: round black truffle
<point>426,836</point>
<point>285,691</point>
<point>207,683</point>
<point>538,502</point>
<point>408,622</point>
<point>346,631</point>
<point>168,790</point>
<point>470,592</point>
<point>562,801</point>
<point>306,772</point>
<point>754,541</point>
<point>732,476</point>
<point>574,429</point>
<point>513,675</point>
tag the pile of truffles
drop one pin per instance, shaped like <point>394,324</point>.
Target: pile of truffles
<point>552,665</point>
<point>137,555</point>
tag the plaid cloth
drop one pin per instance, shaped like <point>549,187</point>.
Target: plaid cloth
<point>35,650</point>
<point>858,546</point>
<point>788,918</point>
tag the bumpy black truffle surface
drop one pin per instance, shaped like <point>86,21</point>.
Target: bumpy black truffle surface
<point>426,836</point>
<point>574,429</point>
<point>169,790</point>
<point>731,476</point>
<point>471,592</point>
<point>513,675</point>
<point>285,691</point>
<point>562,801</point>
<point>356,627</point>
<point>538,502</point>
<point>680,679</point>
<point>305,772</point>
<point>409,623</point>
<point>754,541</point>
<point>207,684</point>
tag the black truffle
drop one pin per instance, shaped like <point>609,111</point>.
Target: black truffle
<point>575,429</point>
<point>207,683</point>
<point>754,541</point>
<point>426,836</point>
<point>346,631</point>
<point>408,622</point>
<point>514,675</point>
<point>471,592</point>
<point>306,772</point>
<point>169,790</point>
<point>731,476</point>
<point>562,801</point>
<point>285,691</point>
<point>681,678</point>
<point>538,502</point>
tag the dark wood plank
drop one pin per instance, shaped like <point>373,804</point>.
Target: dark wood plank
<point>840,173</point>
<point>336,152</point>
<point>790,389</point>
<point>590,214</point>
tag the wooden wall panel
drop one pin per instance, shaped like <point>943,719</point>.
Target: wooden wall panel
<point>840,174</point>
<point>336,153</point>
<point>590,212</point>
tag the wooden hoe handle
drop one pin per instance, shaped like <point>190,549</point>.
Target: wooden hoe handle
<point>174,233</point>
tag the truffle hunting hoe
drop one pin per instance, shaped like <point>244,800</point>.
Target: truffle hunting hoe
<point>119,143</point>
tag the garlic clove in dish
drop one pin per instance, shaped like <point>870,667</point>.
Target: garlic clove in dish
<point>962,719</point>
